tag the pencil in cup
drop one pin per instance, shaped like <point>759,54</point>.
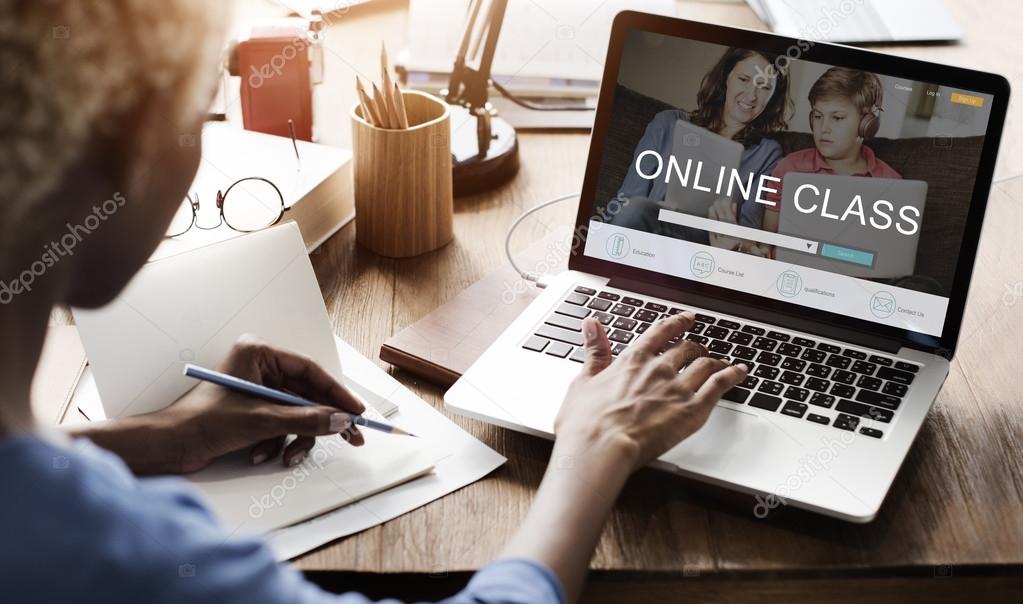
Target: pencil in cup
<point>278,396</point>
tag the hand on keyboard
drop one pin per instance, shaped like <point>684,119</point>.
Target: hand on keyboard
<point>658,392</point>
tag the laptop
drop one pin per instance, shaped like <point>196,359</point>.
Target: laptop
<point>853,246</point>
<point>844,369</point>
<point>699,149</point>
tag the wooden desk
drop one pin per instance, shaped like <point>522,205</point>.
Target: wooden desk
<point>955,507</point>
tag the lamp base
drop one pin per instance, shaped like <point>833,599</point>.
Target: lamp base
<point>474,173</point>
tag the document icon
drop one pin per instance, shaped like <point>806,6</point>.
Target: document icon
<point>882,305</point>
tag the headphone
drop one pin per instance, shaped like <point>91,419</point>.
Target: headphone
<point>870,123</point>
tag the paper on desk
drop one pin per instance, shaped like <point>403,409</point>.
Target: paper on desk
<point>190,308</point>
<point>467,461</point>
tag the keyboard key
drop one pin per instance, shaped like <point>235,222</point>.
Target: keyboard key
<point>577,299</point>
<point>599,304</point>
<point>744,352</point>
<point>828,347</point>
<point>675,311</point>
<point>854,408</point>
<point>609,296</point>
<point>791,378</point>
<point>854,354</point>
<point>697,327</point>
<point>769,357</point>
<point>750,365</point>
<point>562,335</point>
<point>790,350</point>
<point>753,329</point>
<point>870,383</point>
<point>838,361</point>
<point>818,370</point>
<point>654,306</point>
<point>793,364</point>
<point>766,371</point>
<point>878,399</point>
<point>818,419</point>
<point>880,360</point>
<point>623,323</point>
<point>572,311</point>
<point>705,318</point>
<point>536,344</point>
<point>804,342</point>
<point>736,395</point>
<point>558,349</point>
<point>822,400</point>
<point>895,375</point>
<point>645,315</point>
<point>564,322</point>
<point>814,356</point>
<point>907,366</point>
<point>617,349</point>
<point>713,331</point>
<point>844,377</point>
<point>817,384</point>
<point>623,310</point>
<point>796,394</point>
<point>770,387</point>
<point>846,422</point>
<point>750,381</point>
<point>864,367</point>
<point>579,355</point>
<point>716,355</point>
<point>621,336</point>
<point>728,324</point>
<point>794,409</point>
<point>585,290</point>
<point>871,432</point>
<point>765,344</point>
<point>764,401</point>
<point>642,327</point>
<point>603,317</point>
<point>632,301</point>
<point>692,337</point>
<point>738,337</point>
<point>894,389</point>
<point>719,347</point>
<point>842,390</point>
<point>777,335</point>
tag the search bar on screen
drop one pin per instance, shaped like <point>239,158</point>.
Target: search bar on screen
<point>734,230</point>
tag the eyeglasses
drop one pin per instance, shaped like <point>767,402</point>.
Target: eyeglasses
<point>249,204</point>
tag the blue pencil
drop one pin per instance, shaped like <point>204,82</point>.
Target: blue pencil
<point>278,396</point>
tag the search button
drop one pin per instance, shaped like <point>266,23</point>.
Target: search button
<point>837,252</point>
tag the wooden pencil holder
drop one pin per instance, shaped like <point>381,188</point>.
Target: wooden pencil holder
<point>403,194</point>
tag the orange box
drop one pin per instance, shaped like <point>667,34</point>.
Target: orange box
<point>967,99</point>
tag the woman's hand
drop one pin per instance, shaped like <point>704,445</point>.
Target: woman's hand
<point>210,421</point>
<point>723,210</point>
<point>644,403</point>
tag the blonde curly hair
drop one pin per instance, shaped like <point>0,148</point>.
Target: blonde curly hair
<point>70,68</point>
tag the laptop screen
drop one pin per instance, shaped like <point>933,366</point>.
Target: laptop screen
<point>826,187</point>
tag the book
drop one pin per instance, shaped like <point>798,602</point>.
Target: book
<point>316,186</point>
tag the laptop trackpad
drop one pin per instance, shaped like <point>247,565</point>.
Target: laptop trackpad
<point>730,437</point>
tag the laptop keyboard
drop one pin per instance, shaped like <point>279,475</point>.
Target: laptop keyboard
<point>791,375</point>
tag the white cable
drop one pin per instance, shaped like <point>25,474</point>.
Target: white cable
<point>528,276</point>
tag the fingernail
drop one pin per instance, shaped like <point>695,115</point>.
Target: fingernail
<point>589,331</point>
<point>687,315</point>
<point>744,367</point>
<point>259,458</point>
<point>339,422</point>
<point>297,459</point>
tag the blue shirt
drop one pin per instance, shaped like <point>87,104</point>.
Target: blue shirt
<point>77,526</point>
<point>757,159</point>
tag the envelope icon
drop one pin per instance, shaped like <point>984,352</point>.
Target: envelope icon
<point>882,304</point>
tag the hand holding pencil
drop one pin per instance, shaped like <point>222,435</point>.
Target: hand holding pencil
<point>386,107</point>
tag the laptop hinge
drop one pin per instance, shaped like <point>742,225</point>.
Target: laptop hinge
<point>772,317</point>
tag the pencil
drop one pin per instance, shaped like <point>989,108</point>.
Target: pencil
<point>399,101</point>
<point>385,117</point>
<point>369,112</point>
<point>277,396</point>
<point>385,86</point>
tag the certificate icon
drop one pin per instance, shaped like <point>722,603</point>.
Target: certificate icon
<point>789,283</point>
<point>882,305</point>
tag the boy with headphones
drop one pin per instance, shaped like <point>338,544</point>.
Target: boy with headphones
<point>845,113</point>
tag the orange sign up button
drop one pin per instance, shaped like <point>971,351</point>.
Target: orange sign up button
<point>967,99</point>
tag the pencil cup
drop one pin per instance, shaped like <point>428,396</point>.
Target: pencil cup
<point>403,199</point>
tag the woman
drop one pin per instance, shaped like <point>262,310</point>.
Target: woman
<point>742,98</point>
<point>104,97</point>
